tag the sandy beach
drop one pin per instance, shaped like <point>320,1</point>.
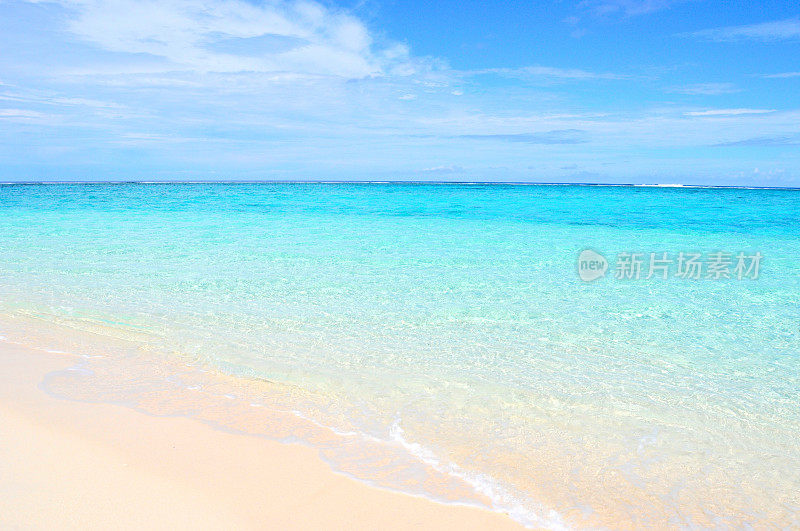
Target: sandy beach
<point>71,465</point>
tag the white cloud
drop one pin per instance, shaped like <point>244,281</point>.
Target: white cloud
<point>27,116</point>
<point>20,113</point>
<point>627,7</point>
<point>728,112</point>
<point>706,89</point>
<point>442,170</point>
<point>233,36</point>
<point>782,75</point>
<point>546,72</point>
<point>766,31</point>
<point>44,98</point>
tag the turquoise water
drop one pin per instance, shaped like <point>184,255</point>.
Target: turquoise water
<point>448,323</point>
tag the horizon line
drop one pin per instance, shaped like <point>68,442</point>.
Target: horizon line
<point>417,182</point>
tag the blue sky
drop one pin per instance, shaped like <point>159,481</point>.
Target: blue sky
<point>633,91</point>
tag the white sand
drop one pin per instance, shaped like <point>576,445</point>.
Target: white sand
<point>70,465</point>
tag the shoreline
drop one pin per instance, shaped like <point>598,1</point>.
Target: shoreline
<point>76,465</point>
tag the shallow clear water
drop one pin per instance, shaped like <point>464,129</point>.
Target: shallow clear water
<point>447,325</point>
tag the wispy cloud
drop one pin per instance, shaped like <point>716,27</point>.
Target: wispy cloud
<point>728,112</point>
<point>765,141</point>
<point>547,72</point>
<point>560,136</point>
<point>628,7</point>
<point>27,116</point>
<point>45,98</point>
<point>20,113</point>
<point>782,75</point>
<point>442,170</point>
<point>706,89</point>
<point>767,31</point>
<point>590,10</point>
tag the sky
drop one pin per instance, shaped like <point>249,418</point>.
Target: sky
<point>599,91</point>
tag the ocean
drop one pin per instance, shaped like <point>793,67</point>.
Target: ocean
<point>443,340</point>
